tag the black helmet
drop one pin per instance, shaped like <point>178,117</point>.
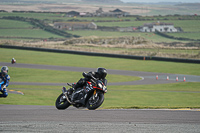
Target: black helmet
<point>4,70</point>
<point>102,72</point>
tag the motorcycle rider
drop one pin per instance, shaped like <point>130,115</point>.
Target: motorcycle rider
<point>13,61</point>
<point>100,74</point>
<point>6,78</point>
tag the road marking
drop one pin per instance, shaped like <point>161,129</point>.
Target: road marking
<point>16,92</point>
<point>186,109</point>
<point>182,109</point>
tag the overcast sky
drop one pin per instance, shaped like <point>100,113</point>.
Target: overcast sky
<point>155,1</point>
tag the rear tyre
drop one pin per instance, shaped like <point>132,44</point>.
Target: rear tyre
<point>94,103</point>
<point>61,103</point>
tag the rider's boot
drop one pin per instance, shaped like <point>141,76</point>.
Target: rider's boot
<point>70,91</point>
<point>75,86</point>
<point>5,93</point>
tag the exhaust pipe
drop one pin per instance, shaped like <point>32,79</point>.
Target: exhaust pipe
<point>64,91</point>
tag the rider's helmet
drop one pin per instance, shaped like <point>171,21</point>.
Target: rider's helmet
<point>4,70</point>
<point>102,72</point>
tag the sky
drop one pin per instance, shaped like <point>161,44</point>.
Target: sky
<point>155,1</point>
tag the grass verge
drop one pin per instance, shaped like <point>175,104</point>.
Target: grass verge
<point>45,58</point>
<point>177,95</point>
<point>55,76</point>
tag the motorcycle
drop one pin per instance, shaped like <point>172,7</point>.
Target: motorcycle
<point>90,96</point>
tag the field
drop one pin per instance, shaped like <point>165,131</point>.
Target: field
<point>22,33</point>
<point>19,29</point>
<point>177,95</point>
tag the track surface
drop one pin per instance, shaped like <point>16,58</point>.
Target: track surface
<point>25,118</point>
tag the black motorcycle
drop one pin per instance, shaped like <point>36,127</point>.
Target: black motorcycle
<point>90,96</point>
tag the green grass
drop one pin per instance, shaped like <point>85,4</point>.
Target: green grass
<point>54,76</point>
<point>14,28</point>
<point>33,57</point>
<point>33,95</point>
<point>186,35</point>
<point>14,24</point>
<point>32,33</point>
<point>193,24</point>
<point>177,95</point>
<point>186,25</point>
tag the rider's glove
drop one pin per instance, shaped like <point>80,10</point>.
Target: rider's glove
<point>84,74</point>
<point>3,87</point>
<point>89,75</point>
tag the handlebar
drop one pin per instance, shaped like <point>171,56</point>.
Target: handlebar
<point>69,84</point>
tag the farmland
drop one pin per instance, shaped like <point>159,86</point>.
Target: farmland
<point>15,31</point>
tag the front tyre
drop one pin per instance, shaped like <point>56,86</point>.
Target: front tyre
<point>61,102</point>
<point>94,102</point>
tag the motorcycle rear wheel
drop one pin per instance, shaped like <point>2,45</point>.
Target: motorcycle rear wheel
<point>93,104</point>
<point>60,104</point>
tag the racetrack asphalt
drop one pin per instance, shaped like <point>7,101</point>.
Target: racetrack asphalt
<point>45,119</point>
<point>30,118</point>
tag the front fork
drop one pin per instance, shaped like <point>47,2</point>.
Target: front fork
<point>94,94</point>
<point>63,98</point>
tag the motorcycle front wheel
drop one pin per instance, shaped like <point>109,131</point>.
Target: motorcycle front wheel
<point>62,103</point>
<point>94,102</point>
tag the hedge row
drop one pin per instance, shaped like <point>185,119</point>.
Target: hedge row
<point>176,38</point>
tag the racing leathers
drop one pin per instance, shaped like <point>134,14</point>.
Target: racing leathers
<point>6,80</point>
<point>87,77</point>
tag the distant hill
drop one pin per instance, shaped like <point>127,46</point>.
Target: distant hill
<point>60,1</point>
<point>104,1</point>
